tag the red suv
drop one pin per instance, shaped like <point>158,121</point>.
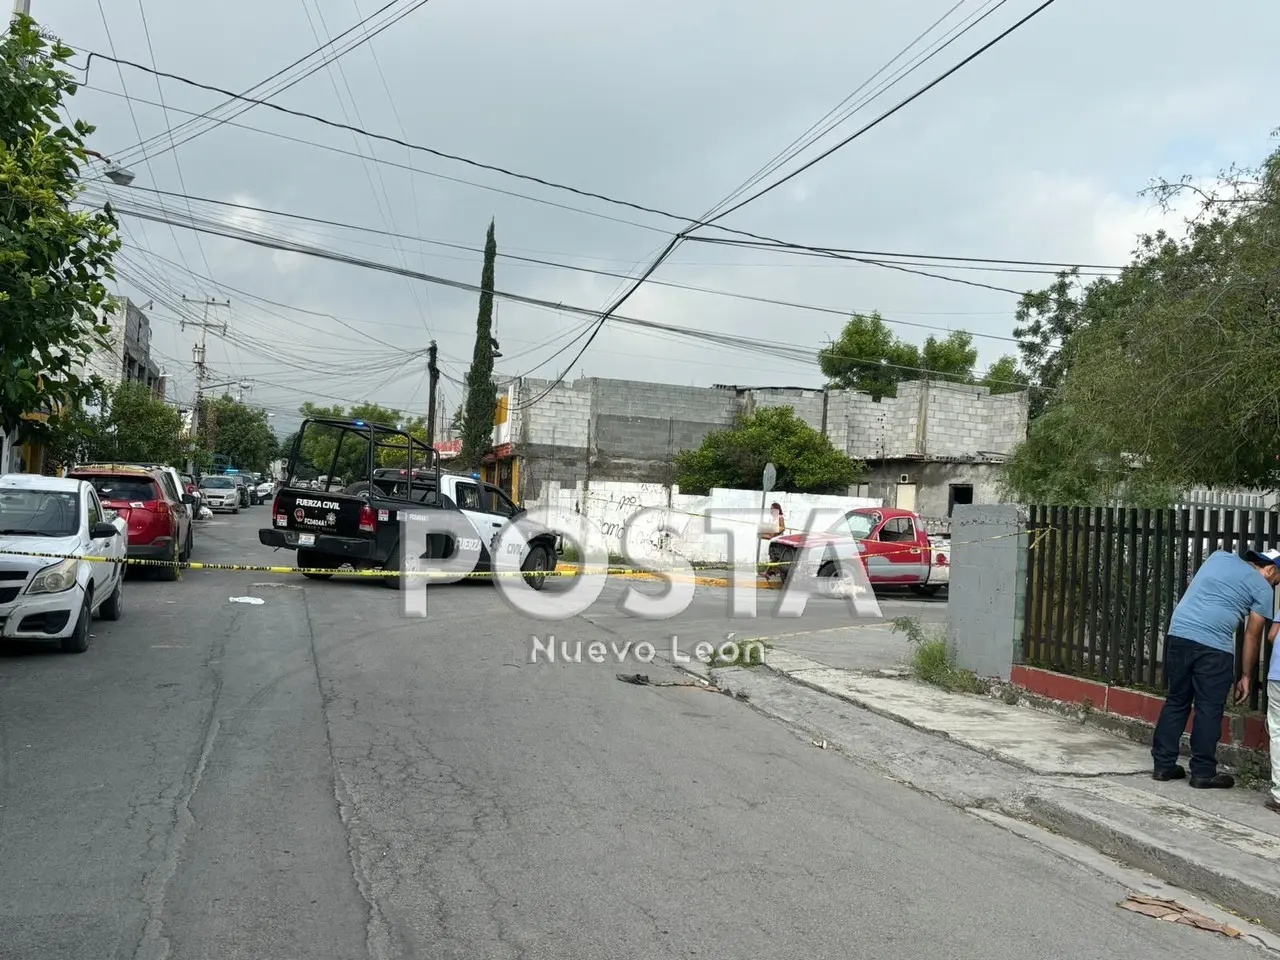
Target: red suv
<point>159,525</point>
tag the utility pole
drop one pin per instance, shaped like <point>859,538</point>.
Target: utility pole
<point>198,356</point>
<point>22,8</point>
<point>434,372</point>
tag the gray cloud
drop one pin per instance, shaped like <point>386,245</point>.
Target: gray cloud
<point>1034,151</point>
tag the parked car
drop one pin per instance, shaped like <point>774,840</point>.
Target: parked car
<point>190,485</point>
<point>53,600</point>
<point>221,493</point>
<point>246,500</point>
<point>892,545</point>
<point>160,528</point>
<point>251,482</point>
<point>266,488</point>
<point>170,479</point>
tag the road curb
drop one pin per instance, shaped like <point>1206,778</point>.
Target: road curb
<point>1224,883</point>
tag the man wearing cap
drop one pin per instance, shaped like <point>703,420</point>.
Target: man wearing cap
<point>1200,658</point>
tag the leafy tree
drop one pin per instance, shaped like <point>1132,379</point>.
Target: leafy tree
<point>735,458</point>
<point>1004,376</point>
<point>1069,461</point>
<point>950,360</point>
<point>455,425</point>
<point>1174,366</point>
<point>240,433</point>
<point>54,260</point>
<point>1044,322</point>
<point>320,443</point>
<point>482,397</point>
<point>134,426</point>
<point>867,356</point>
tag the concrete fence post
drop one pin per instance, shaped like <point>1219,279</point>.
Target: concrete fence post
<point>987,592</point>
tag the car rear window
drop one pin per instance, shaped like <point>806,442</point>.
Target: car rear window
<point>125,488</point>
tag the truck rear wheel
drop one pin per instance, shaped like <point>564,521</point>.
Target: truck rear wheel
<point>926,589</point>
<point>309,560</point>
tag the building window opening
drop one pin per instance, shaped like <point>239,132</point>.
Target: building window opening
<point>960,493</point>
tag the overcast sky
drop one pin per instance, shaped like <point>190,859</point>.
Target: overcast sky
<point>1036,151</point>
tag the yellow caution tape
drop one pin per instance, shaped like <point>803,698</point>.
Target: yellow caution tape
<point>562,570</point>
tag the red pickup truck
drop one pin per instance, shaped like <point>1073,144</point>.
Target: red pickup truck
<point>892,545</point>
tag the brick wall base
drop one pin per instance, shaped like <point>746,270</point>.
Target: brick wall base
<point>1249,732</point>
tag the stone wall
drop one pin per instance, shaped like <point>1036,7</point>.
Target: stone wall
<point>933,480</point>
<point>987,588</point>
<point>628,430</point>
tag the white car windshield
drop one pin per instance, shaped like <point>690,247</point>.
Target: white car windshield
<point>856,525</point>
<point>39,513</point>
<point>219,483</point>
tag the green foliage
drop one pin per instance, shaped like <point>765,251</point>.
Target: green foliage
<point>869,357</point>
<point>240,433</point>
<point>482,397</point>
<point>1167,376</point>
<point>320,443</point>
<point>1005,376</point>
<point>53,260</point>
<point>735,458</point>
<point>931,662</point>
<point>1068,460</point>
<point>132,426</point>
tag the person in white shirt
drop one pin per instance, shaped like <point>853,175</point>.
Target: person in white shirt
<point>1273,724</point>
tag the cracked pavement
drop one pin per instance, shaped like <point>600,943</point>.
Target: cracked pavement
<point>316,777</point>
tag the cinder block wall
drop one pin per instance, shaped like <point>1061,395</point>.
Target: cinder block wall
<point>987,589</point>
<point>631,430</point>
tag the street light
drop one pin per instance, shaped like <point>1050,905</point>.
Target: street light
<point>121,176</point>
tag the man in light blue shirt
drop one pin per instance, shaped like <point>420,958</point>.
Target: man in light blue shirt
<point>1200,658</point>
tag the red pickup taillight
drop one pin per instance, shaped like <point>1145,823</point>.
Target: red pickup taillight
<point>368,519</point>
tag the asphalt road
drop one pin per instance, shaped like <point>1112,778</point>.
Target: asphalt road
<point>318,776</point>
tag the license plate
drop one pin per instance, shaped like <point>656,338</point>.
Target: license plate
<point>306,539</point>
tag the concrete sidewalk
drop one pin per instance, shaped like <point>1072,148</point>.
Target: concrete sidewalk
<point>1072,778</point>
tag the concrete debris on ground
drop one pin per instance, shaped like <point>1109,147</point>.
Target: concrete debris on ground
<point>1076,780</point>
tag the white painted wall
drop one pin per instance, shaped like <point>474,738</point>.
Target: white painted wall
<point>612,504</point>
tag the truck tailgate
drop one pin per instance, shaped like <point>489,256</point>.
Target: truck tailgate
<point>311,511</point>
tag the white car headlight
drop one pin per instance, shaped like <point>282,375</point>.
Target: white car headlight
<point>57,578</point>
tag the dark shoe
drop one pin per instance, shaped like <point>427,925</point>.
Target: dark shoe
<point>1169,773</point>
<point>1219,781</point>
<point>1272,804</point>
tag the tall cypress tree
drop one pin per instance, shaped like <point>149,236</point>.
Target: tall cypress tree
<point>482,400</point>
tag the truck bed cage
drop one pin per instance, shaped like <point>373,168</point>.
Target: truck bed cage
<point>379,437</point>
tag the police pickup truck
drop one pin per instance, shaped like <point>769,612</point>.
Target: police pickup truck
<point>359,525</point>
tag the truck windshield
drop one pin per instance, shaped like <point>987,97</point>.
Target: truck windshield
<point>39,513</point>
<point>856,525</point>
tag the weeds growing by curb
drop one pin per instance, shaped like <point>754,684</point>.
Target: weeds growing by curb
<point>931,663</point>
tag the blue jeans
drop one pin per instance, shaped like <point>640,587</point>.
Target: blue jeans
<point>1195,674</point>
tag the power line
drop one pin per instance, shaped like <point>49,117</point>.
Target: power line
<point>335,54</point>
<point>771,348</point>
<point>337,256</point>
<point>809,136</point>
<point>691,222</point>
<point>887,114</point>
<point>835,311</point>
<point>390,163</point>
